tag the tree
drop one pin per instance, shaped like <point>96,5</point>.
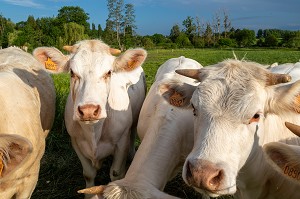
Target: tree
<point>183,41</point>
<point>129,19</point>
<point>271,40</point>
<point>245,37</point>
<point>175,32</point>
<point>115,16</point>
<point>74,14</point>
<point>208,34</point>
<point>73,33</point>
<point>226,23</point>
<point>259,33</point>
<point>189,27</point>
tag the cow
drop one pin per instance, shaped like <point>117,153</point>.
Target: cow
<point>102,109</point>
<point>167,136</point>
<point>283,157</point>
<point>27,98</point>
<point>238,107</point>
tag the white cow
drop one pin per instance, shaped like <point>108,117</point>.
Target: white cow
<point>285,158</point>
<point>167,137</point>
<point>238,108</point>
<point>106,94</point>
<point>27,98</point>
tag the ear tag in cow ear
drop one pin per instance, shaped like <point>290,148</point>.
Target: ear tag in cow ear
<point>50,65</point>
<point>1,163</point>
<point>176,99</point>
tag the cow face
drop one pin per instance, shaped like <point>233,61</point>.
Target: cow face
<point>93,68</point>
<point>229,106</point>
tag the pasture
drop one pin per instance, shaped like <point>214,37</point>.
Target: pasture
<point>61,172</point>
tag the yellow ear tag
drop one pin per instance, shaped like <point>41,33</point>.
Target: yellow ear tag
<point>50,65</point>
<point>1,163</point>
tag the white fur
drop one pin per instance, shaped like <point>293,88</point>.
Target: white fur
<point>229,95</point>
<point>166,134</point>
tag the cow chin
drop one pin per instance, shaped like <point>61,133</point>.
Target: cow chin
<point>89,121</point>
<point>218,193</point>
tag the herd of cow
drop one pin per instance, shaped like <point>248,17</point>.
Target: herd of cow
<point>228,127</point>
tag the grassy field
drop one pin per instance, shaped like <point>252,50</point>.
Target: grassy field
<point>61,171</point>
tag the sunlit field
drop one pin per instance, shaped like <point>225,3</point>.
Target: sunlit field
<point>61,171</point>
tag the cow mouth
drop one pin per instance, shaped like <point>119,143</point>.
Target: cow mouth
<point>89,121</point>
<point>216,193</point>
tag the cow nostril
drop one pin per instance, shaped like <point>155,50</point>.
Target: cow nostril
<point>80,111</point>
<point>97,110</point>
<point>216,179</point>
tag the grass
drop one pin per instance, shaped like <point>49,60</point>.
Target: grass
<point>61,171</point>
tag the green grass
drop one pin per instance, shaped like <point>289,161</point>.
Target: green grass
<point>61,172</point>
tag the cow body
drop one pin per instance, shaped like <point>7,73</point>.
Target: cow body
<point>166,134</point>
<point>238,108</point>
<point>27,97</point>
<point>102,109</point>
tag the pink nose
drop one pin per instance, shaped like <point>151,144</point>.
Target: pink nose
<point>89,112</point>
<point>204,175</point>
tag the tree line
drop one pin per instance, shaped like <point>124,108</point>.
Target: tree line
<point>71,25</point>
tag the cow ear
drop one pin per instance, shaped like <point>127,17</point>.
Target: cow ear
<point>53,60</point>
<point>284,158</point>
<point>177,93</point>
<point>14,149</point>
<point>284,98</point>
<point>130,60</point>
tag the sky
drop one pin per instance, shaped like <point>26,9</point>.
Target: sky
<point>159,16</point>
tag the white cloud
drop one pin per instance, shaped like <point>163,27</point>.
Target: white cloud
<point>25,3</point>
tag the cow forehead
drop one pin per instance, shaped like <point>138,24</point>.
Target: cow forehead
<point>233,97</point>
<point>85,60</point>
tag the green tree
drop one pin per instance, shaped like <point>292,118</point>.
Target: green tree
<point>271,40</point>
<point>116,18</point>
<point>73,33</point>
<point>189,27</point>
<point>245,37</point>
<point>183,41</point>
<point>208,35</point>
<point>129,19</point>
<point>74,14</point>
<point>175,32</point>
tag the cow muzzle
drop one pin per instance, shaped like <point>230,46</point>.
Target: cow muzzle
<point>206,177</point>
<point>89,112</point>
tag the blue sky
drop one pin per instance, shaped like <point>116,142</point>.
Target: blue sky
<point>158,16</point>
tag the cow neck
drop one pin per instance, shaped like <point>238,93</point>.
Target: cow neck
<point>93,134</point>
<point>257,179</point>
<point>161,151</point>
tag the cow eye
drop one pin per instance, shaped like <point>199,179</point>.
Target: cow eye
<point>73,75</point>
<point>107,75</point>
<point>194,110</point>
<point>255,118</point>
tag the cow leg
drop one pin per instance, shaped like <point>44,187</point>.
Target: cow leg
<point>118,168</point>
<point>132,143</point>
<point>89,172</point>
<point>28,188</point>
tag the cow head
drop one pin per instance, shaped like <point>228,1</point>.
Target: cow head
<point>230,106</point>
<point>93,68</point>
